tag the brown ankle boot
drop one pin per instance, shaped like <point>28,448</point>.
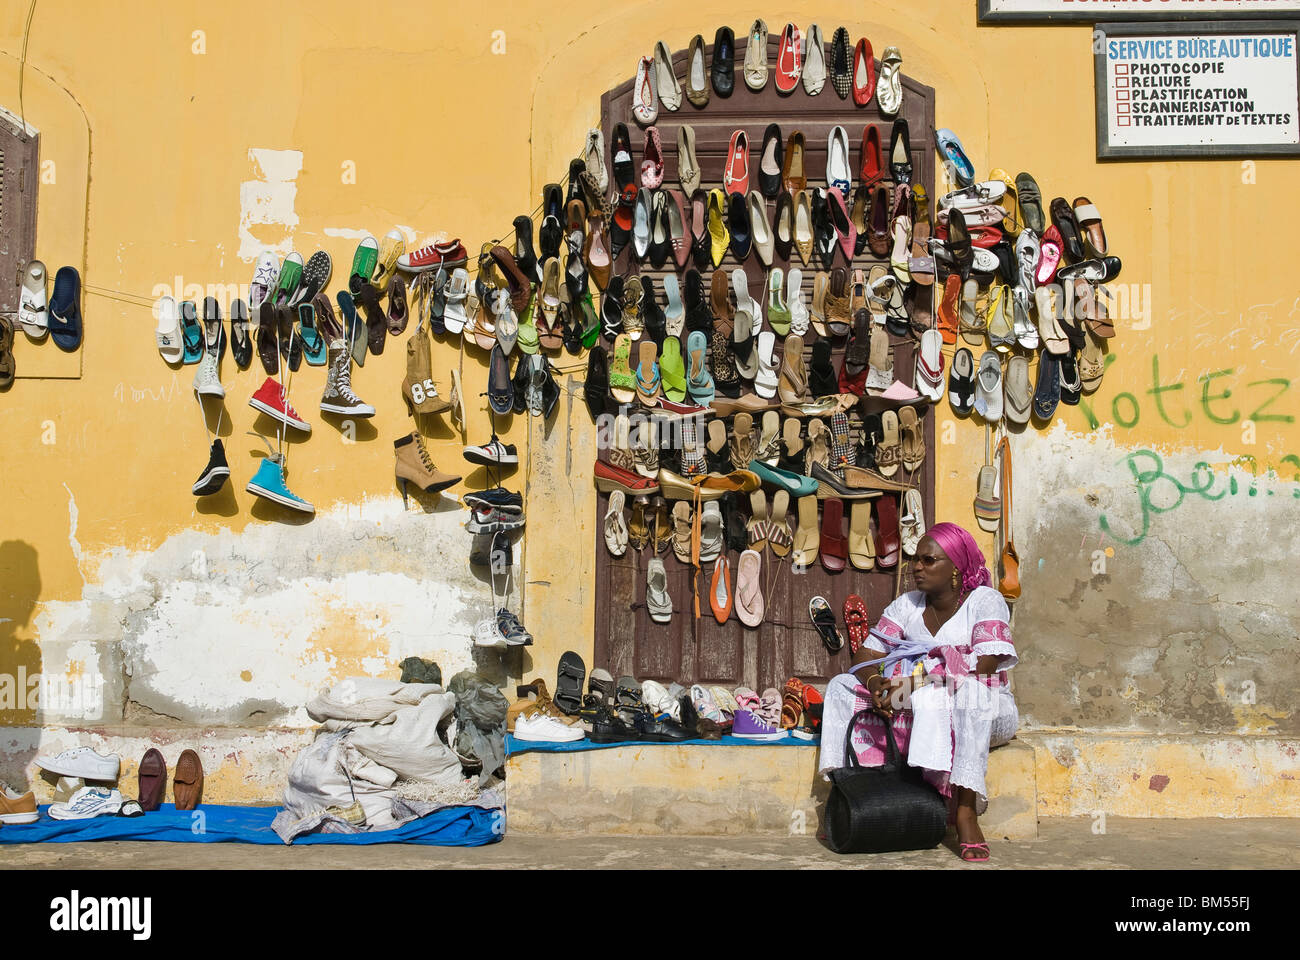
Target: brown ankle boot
<point>415,465</point>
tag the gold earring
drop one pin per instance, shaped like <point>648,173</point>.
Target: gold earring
<point>956,583</point>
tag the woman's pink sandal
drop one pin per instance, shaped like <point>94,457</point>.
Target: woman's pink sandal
<point>974,846</point>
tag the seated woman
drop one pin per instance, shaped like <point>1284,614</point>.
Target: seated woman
<point>935,668</point>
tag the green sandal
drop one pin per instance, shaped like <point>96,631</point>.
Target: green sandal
<point>672,370</point>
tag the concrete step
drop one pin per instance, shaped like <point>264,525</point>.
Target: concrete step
<point>706,790</point>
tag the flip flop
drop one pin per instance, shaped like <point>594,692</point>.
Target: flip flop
<point>354,331</point>
<point>212,320</point>
<point>168,332</point>
<point>64,319</point>
<point>823,618</point>
<point>268,349</point>
<point>672,369</point>
<point>192,333</point>
<point>568,682</point>
<point>33,312</point>
<point>241,347</point>
<point>314,348</point>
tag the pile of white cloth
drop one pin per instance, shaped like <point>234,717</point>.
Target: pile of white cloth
<point>377,738</point>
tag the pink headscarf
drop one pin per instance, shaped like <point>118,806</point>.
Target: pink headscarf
<point>961,549</point>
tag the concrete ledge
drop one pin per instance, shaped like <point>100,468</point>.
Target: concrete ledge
<point>715,791</point>
<point>1148,775</point>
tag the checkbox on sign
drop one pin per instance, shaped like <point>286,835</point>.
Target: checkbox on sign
<point>1121,69</point>
<point>1122,109</point>
<point>1121,82</point>
<point>1123,122</point>
<point>1122,94</point>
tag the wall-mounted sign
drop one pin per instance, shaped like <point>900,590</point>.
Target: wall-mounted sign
<point>1097,11</point>
<point>1197,89</point>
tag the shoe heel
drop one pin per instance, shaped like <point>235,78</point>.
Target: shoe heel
<point>402,481</point>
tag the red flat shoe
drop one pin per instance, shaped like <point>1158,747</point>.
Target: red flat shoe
<point>855,621</point>
<point>873,164</point>
<point>888,543</point>
<point>812,706</point>
<point>736,177</point>
<point>864,73</point>
<point>789,59</point>
<point>949,322</point>
<point>834,549</point>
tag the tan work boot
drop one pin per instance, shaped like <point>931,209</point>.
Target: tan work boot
<point>418,386</point>
<point>415,465</point>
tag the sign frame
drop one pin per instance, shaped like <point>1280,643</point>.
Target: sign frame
<point>986,15</point>
<point>1186,28</point>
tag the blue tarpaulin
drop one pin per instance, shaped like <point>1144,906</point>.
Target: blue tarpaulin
<point>514,745</point>
<point>458,826</point>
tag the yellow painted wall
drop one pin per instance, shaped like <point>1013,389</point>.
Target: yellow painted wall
<point>454,118</point>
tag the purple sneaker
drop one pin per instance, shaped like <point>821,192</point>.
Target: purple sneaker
<point>749,727</point>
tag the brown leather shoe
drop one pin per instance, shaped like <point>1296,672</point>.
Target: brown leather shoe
<point>153,779</point>
<point>724,314</point>
<point>187,788</point>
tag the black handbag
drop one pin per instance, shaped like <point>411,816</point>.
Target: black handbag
<point>879,809</point>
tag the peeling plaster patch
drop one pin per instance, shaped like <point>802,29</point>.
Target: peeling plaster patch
<point>347,233</point>
<point>72,531</point>
<point>1158,783</point>
<point>274,613</point>
<point>268,201</point>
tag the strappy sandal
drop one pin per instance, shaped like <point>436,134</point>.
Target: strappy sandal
<point>820,283</point>
<point>791,703</point>
<point>769,441</point>
<point>998,326</point>
<point>780,540</point>
<point>889,451</point>
<point>568,682</point>
<point>819,445</point>
<point>683,522</point>
<point>757,527</point>
<point>742,441</point>
<point>823,618</point>
<point>976,847</point>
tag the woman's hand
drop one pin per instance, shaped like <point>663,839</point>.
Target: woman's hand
<point>882,692</point>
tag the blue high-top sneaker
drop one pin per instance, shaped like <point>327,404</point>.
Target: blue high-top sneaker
<point>268,482</point>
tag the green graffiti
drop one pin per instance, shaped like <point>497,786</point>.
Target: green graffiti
<point>1160,492</point>
<point>1214,400</point>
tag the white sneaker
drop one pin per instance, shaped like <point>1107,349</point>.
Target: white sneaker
<point>488,634</point>
<point>87,803</point>
<point>539,726</point>
<point>82,762</point>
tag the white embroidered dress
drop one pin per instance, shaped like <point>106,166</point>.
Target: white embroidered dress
<point>950,725</point>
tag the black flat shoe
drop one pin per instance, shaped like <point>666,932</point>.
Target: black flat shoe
<point>500,390</point>
<point>959,245</point>
<point>770,183</point>
<point>822,381</point>
<point>648,729</point>
<point>738,225</point>
<point>596,389</point>
<point>900,152</point>
<point>576,169</point>
<point>698,316</point>
<point>656,323</point>
<point>620,152</point>
<point>660,236</point>
<point>825,240</point>
<point>723,72</point>
<point>241,347</point>
<point>525,256</point>
<point>783,225</point>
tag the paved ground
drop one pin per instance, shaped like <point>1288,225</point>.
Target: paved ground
<point>1062,844</point>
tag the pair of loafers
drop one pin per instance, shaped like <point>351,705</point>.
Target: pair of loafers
<point>187,787</point>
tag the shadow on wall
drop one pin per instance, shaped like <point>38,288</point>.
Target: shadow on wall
<point>20,657</point>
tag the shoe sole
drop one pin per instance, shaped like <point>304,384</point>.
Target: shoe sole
<point>82,775</point>
<point>609,486</point>
<point>362,410</point>
<point>472,501</point>
<point>105,811</point>
<point>282,501</point>
<point>275,414</point>
<point>483,461</point>
<point>200,486</point>
<point>499,527</point>
<point>210,391</point>
<point>19,817</point>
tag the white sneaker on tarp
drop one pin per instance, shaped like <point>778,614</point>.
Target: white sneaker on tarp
<point>88,803</point>
<point>81,762</point>
<point>540,727</point>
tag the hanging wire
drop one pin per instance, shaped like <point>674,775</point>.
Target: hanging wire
<point>22,65</point>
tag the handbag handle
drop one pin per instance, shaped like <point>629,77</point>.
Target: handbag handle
<point>892,755</point>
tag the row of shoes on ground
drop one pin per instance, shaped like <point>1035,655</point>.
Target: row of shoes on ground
<point>801,58</point>
<point>89,800</point>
